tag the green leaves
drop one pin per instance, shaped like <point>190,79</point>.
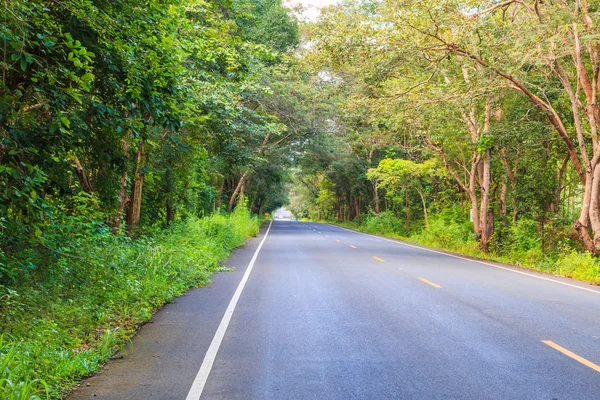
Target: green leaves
<point>87,77</point>
<point>484,143</point>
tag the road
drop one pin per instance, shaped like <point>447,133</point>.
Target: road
<point>328,313</point>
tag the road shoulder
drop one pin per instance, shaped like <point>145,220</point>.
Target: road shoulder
<point>163,358</point>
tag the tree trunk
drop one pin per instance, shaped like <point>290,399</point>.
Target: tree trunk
<point>424,209</point>
<point>376,196</point>
<point>357,208</point>
<point>556,206</point>
<point>82,175</point>
<point>242,192</point>
<point>115,220</point>
<point>237,191</point>
<point>135,197</point>
<point>485,235</point>
<point>594,207</point>
<point>407,220</point>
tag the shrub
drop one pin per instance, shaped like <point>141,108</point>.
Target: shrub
<point>582,266</point>
<point>384,223</point>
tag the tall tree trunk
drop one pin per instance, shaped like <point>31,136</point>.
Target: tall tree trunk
<point>485,183</point>
<point>238,187</point>
<point>135,202</point>
<point>504,188</point>
<point>485,234</point>
<point>471,191</point>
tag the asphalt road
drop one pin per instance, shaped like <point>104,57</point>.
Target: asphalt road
<point>327,313</point>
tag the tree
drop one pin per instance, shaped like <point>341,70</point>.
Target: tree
<point>398,175</point>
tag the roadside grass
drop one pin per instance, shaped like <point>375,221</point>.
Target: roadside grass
<point>521,245</point>
<point>63,327</point>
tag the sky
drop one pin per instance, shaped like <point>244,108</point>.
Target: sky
<point>312,6</point>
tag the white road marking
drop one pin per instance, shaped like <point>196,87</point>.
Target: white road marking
<point>468,259</point>
<point>209,359</point>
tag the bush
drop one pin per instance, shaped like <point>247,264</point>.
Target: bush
<point>62,325</point>
<point>384,223</point>
<point>582,266</point>
<point>520,242</point>
<point>449,235</point>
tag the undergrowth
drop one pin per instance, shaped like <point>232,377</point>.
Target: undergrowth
<point>63,324</point>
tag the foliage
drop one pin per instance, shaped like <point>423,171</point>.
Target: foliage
<point>97,293</point>
<point>125,130</point>
<point>500,94</point>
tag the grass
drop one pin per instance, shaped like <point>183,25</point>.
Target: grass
<point>63,327</point>
<point>520,246</point>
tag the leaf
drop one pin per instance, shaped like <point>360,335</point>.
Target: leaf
<point>87,77</point>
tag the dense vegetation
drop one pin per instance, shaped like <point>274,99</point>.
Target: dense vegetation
<point>62,327</point>
<point>137,137</point>
<point>465,125</point>
<point>128,132</point>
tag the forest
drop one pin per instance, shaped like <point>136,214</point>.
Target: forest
<point>470,126</point>
<point>142,141</point>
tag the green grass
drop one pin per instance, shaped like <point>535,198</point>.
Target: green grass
<point>60,328</point>
<point>520,245</point>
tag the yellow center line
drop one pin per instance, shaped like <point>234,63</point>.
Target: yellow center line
<point>319,232</point>
<point>352,246</point>
<point>572,355</point>
<point>327,236</point>
<point>378,259</point>
<point>435,285</point>
<point>337,240</point>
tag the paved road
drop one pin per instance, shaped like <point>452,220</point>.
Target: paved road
<point>328,313</point>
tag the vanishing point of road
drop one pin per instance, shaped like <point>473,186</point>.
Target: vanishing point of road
<point>314,311</point>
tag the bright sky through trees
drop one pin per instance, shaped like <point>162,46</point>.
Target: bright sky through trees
<point>312,6</point>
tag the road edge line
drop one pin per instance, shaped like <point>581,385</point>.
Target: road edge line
<point>209,358</point>
<point>465,258</point>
